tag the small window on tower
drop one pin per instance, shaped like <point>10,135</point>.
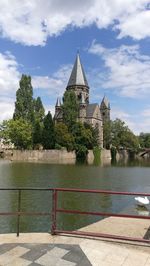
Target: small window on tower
<point>103,114</point>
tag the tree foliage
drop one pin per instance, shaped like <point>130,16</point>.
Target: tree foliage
<point>144,139</point>
<point>122,136</point>
<point>39,114</point>
<point>70,109</point>
<point>63,137</point>
<point>107,134</point>
<point>83,136</point>
<point>19,132</point>
<point>24,100</point>
<point>48,136</point>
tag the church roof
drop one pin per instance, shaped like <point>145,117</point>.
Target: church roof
<point>58,102</point>
<point>90,109</point>
<point>77,76</point>
<point>105,102</point>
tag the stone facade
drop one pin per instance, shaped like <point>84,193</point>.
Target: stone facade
<point>93,114</point>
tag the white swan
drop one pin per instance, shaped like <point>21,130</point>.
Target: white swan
<point>142,201</point>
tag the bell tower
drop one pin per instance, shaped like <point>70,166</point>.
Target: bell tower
<point>78,82</point>
<point>105,110</point>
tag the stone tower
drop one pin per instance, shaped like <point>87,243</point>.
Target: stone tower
<point>105,110</point>
<point>78,82</point>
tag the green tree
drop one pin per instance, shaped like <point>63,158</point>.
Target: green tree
<point>122,136</point>
<point>48,136</point>
<point>19,132</point>
<point>107,134</point>
<point>144,139</point>
<point>37,134</point>
<point>63,137</point>
<point>70,109</point>
<point>95,135</point>
<point>83,136</point>
<point>39,114</point>
<point>24,100</point>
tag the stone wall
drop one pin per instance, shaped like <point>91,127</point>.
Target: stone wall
<point>52,156</point>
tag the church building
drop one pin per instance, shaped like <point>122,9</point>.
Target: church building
<point>91,113</point>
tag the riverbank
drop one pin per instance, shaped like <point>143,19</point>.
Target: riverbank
<point>53,156</point>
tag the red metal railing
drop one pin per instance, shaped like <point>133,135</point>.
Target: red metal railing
<point>56,210</point>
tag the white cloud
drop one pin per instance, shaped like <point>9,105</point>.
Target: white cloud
<point>127,70</point>
<point>9,74</point>
<point>52,85</point>
<point>138,122</point>
<point>31,22</point>
<point>6,108</point>
<point>136,26</point>
<point>126,117</point>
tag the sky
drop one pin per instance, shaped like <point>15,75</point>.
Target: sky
<point>41,38</point>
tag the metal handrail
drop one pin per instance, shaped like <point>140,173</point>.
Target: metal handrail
<point>83,233</point>
<point>18,213</point>
<point>56,210</point>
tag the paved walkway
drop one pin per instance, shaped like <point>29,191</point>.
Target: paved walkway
<point>44,249</point>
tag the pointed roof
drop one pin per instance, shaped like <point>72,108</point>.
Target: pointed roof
<point>77,76</point>
<point>58,102</point>
<point>105,102</point>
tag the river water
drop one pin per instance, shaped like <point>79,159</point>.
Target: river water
<point>134,177</point>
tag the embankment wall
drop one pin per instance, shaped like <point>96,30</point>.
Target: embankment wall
<point>52,156</point>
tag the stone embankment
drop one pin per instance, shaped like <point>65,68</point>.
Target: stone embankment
<point>52,156</point>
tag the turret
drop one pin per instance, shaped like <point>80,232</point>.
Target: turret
<point>105,109</point>
<point>58,109</point>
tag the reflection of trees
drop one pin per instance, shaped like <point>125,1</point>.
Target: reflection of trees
<point>31,201</point>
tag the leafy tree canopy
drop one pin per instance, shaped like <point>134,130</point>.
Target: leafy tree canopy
<point>122,136</point>
<point>63,137</point>
<point>19,132</point>
<point>24,100</point>
<point>48,136</point>
<point>144,139</point>
<point>82,135</point>
<point>70,109</point>
<point>39,112</point>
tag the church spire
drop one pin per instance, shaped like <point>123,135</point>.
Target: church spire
<point>77,76</point>
<point>105,103</point>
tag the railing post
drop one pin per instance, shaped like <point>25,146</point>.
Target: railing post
<point>54,207</point>
<point>19,208</point>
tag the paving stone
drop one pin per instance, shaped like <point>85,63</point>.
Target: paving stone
<point>75,255</point>
<point>6,247</point>
<point>18,262</point>
<point>136,259</point>
<point>37,251</point>
<point>116,258</point>
<point>52,257</point>
<point>12,255</point>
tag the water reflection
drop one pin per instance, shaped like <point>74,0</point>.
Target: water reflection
<point>141,162</point>
<point>121,177</point>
